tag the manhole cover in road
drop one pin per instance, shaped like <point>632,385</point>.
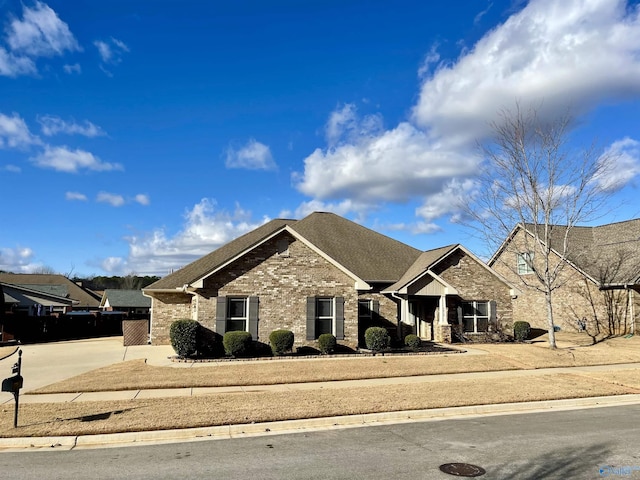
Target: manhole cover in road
<point>462,469</point>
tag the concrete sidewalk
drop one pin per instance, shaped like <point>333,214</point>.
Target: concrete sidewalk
<point>287,387</point>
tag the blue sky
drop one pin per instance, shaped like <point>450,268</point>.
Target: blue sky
<point>136,136</point>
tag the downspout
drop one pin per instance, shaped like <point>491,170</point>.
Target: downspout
<point>402,314</point>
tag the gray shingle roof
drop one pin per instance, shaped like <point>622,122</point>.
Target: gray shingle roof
<point>422,264</point>
<point>53,284</point>
<point>125,298</point>
<point>608,253</point>
<point>368,254</point>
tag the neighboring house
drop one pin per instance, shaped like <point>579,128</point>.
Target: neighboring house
<point>599,285</point>
<point>57,285</point>
<point>31,302</point>
<point>326,274</point>
<point>131,302</point>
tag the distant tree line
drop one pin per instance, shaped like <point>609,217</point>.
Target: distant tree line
<point>128,282</point>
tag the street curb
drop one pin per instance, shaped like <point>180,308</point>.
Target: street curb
<point>66,443</point>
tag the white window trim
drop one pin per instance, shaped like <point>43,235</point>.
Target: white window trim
<point>476,317</point>
<point>332,317</point>
<point>246,312</point>
<point>369,307</point>
<point>524,262</point>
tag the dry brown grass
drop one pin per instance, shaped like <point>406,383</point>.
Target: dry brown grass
<point>84,418</point>
<point>610,352</point>
<point>136,374</point>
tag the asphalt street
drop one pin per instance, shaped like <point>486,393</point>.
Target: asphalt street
<point>575,444</point>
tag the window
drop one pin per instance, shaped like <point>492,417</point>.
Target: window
<point>365,309</point>
<point>237,314</point>
<point>475,316</point>
<point>324,316</point>
<point>524,263</point>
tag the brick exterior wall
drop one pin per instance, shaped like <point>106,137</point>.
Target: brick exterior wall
<point>576,298</point>
<point>282,282</point>
<point>475,282</point>
<point>165,309</point>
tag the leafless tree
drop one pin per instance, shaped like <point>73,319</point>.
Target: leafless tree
<point>606,297</point>
<point>532,178</point>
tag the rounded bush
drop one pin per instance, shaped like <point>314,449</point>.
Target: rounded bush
<point>327,343</point>
<point>377,339</point>
<point>184,337</point>
<point>413,342</point>
<point>237,343</point>
<point>281,341</point>
<point>521,331</point>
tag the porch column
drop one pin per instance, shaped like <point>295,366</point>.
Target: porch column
<point>443,329</point>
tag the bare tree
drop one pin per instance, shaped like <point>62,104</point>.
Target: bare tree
<point>605,295</point>
<point>531,178</point>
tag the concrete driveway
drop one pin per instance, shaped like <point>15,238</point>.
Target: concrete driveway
<point>46,363</point>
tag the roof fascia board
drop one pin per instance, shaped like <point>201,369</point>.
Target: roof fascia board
<point>360,284</point>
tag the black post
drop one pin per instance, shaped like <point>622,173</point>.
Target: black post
<point>16,394</point>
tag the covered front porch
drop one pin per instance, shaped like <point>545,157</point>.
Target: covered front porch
<point>425,305</point>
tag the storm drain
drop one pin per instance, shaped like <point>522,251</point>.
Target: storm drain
<point>462,469</point>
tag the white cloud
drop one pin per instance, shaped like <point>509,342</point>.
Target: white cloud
<point>448,201</point>
<point>75,196</point>
<point>112,199</point>
<point>14,132</point>
<point>72,68</point>
<point>252,156</point>
<point>52,125</point>
<point>111,50</point>
<point>40,33</point>
<point>142,199</point>
<point>342,208</point>
<point>204,230</point>
<point>113,264</point>
<point>623,158</point>
<point>18,260</point>
<point>575,54</point>
<point>14,65</point>
<point>345,126</point>
<point>394,166</point>
<point>63,159</point>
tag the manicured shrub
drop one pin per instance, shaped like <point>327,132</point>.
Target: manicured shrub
<point>281,341</point>
<point>521,331</point>
<point>413,342</point>
<point>237,343</point>
<point>377,339</point>
<point>184,337</point>
<point>327,343</point>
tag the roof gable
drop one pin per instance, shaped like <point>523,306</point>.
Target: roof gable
<point>365,254</point>
<point>594,250</point>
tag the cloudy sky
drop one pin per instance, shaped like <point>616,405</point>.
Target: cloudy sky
<point>136,136</point>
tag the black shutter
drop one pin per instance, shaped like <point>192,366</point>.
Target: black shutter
<point>311,318</point>
<point>339,318</point>
<point>493,313</point>
<point>460,317</point>
<point>253,317</point>
<point>221,315</point>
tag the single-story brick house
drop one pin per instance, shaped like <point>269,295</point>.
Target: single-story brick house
<point>598,288</point>
<point>327,274</point>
